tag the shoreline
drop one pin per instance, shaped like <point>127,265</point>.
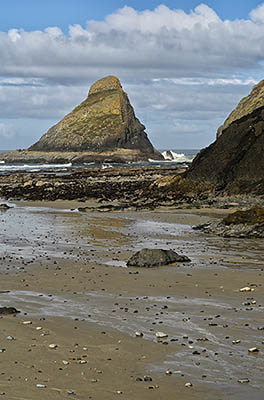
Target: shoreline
<point>79,275</point>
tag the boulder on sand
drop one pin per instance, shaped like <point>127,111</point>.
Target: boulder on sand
<point>155,258</point>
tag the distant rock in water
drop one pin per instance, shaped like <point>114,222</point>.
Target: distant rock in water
<point>234,163</point>
<point>104,122</point>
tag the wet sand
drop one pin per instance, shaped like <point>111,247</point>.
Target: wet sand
<point>66,272</point>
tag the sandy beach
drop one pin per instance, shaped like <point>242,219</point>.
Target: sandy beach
<point>66,272</point>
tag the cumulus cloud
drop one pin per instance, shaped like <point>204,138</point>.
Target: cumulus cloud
<point>158,43</point>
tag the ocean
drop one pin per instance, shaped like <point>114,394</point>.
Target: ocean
<point>174,157</point>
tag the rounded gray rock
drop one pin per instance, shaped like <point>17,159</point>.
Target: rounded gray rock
<point>155,257</point>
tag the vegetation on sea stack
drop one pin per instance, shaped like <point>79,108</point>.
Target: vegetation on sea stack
<point>104,122</point>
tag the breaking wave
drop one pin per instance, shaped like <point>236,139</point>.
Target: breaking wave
<point>31,167</point>
<point>171,156</point>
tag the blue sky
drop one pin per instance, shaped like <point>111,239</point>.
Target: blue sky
<point>37,14</point>
<point>184,64</point>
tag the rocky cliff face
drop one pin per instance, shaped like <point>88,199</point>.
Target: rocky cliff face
<point>104,122</point>
<point>234,163</point>
<point>246,106</point>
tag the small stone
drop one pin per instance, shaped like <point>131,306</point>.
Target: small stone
<point>40,385</point>
<point>38,328</point>
<point>10,338</point>
<point>236,341</point>
<point>253,350</point>
<point>71,392</point>
<point>188,384</point>
<point>53,346</point>
<point>65,362</point>
<point>147,379</point>
<point>119,392</point>
<point>138,379</point>
<point>139,334</point>
<point>244,380</point>
<point>27,322</point>
<point>161,335</point>
<point>168,372</point>
<point>246,289</point>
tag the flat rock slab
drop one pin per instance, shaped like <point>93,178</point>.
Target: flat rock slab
<point>155,258</point>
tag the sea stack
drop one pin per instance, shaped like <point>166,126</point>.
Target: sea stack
<point>104,122</point>
<point>234,163</point>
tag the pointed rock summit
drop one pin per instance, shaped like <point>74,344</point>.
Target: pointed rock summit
<point>104,122</point>
<point>234,163</point>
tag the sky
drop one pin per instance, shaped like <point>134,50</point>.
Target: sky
<point>184,64</point>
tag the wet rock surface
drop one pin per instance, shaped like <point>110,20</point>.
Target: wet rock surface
<point>240,224</point>
<point>155,257</point>
<point>129,185</point>
<point>234,162</point>
<point>8,310</point>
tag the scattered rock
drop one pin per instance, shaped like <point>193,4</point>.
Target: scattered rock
<point>53,346</point>
<point>139,334</point>
<point>147,378</point>
<point>188,384</point>
<point>253,350</point>
<point>246,289</point>
<point>155,257</point>
<point>8,310</point>
<point>161,335</point>
<point>243,380</point>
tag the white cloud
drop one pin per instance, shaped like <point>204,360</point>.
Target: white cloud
<point>257,15</point>
<point>159,43</point>
<point>191,68</point>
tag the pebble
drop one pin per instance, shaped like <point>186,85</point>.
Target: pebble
<point>119,392</point>
<point>147,379</point>
<point>246,289</point>
<point>253,350</point>
<point>244,380</point>
<point>53,346</point>
<point>10,338</point>
<point>38,328</point>
<point>71,392</point>
<point>236,341</point>
<point>188,384</point>
<point>139,334</point>
<point>27,322</point>
<point>40,385</point>
<point>168,372</point>
<point>161,335</point>
<point>65,362</point>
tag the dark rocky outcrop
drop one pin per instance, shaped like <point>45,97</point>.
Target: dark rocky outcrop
<point>234,163</point>
<point>155,258</point>
<point>240,224</point>
<point>104,122</point>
